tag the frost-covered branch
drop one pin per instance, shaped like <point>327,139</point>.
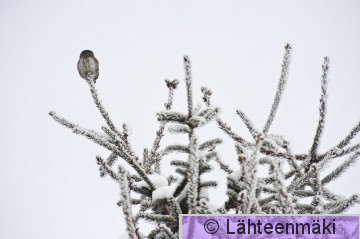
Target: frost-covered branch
<point>254,132</point>
<point>149,159</point>
<point>293,183</point>
<point>188,81</point>
<point>322,111</point>
<point>100,107</point>
<point>280,89</point>
<point>126,205</point>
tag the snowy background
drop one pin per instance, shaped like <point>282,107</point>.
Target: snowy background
<point>49,181</point>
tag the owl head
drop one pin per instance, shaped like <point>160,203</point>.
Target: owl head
<point>86,53</point>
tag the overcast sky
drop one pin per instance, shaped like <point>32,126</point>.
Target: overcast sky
<point>49,181</point>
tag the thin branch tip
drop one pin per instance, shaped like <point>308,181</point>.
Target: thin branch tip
<point>186,59</point>
<point>288,46</point>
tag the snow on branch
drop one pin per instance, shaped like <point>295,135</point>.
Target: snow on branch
<point>188,81</point>
<point>157,196</point>
<point>254,132</point>
<point>349,137</point>
<point>126,205</point>
<point>341,169</point>
<point>280,89</point>
<point>322,111</point>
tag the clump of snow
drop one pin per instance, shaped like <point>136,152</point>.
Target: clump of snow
<point>163,192</point>
<point>236,175</point>
<point>156,179</point>
<point>231,211</point>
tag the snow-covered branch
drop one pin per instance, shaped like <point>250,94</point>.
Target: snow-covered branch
<point>151,195</point>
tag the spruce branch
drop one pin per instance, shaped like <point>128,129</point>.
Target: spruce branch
<point>106,169</point>
<point>341,206</point>
<point>210,144</point>
<point>349,137</point>
<point>292,160</point>
<point>174,207</point>
<point>179,129</point>
<point>174,117</point>
<point>317,201</point>
<point>155,217</point>
<point>254,132</point>
<point>160,199</point>
<point>322,111</point>
<point>181,186</point>
<point>180,163</point>
<point>123,146</point>
<point>188,81</point>
<point>280,88</point>
<point>329,195</point>
<point>101,108</point>
<point>226,168</point>
<point>341,169</point>
<point>111,159</point>
<point>193,174</point>
<point>154,233</point>
<point>126,205</point>
<point>346,151</point>
<point>176,148</point>
<point>227,129</point>
<point>160,132</point>
<point>251,178</point>
<point>206,95</point>
<point>97,137</point>
<point>286,200</point>
<point>167,231</point>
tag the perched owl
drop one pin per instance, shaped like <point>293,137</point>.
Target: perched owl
<point>88,65</point>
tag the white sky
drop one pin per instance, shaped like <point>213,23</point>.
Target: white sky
<point>49,181</point>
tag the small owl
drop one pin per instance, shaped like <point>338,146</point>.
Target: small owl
<point>88,65</point>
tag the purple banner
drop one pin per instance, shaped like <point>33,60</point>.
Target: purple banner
<point>270,227</point>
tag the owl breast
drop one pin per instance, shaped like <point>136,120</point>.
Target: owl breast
<point>88,68</point>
